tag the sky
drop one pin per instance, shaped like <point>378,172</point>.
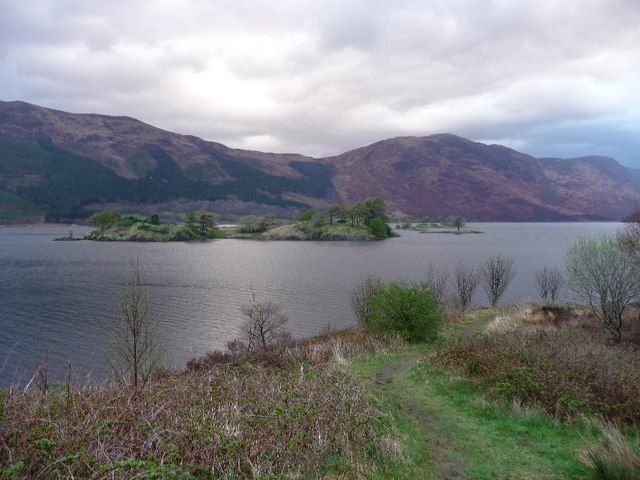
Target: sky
<point>546,77</point>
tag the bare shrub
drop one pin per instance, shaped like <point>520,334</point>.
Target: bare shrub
<point>264,322</point>
<point>549,281</point>
<point>496,274</point>
<point>135,351</point>
<point>439,282</point>
<point>359,296</point>
<point>466,282</point>
<point>602,275</point>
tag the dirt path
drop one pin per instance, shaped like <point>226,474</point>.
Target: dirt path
<point>392,381</point>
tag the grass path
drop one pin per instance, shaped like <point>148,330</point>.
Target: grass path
<point>449,430</point>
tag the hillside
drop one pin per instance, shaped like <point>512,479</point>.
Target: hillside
<point>66,165</point>
<point>445,173</point>
<point>64,162</point>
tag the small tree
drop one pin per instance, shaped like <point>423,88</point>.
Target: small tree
<point>602,275</point>
<point>135,351</point>
<point>206,223</point>
<point>334,211</point>
<point>306,215</point>
<point>378,228</point>
<point>549,281</point>
<point>438,281</point>
<point>497,273</point>
<point>103,220</point>
<point>458,222</point>
<point>466,281</point>
<point>264,322</point>
<point>360,296</point>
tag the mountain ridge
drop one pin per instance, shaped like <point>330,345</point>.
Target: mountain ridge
<point>436,174</point>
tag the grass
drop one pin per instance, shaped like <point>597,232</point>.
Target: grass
<point>561,361</point>
<point>346,404</point>
<point>451,426</point>
<point>451,430</point>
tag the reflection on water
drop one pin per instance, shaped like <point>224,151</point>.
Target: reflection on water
<point>59,297</point>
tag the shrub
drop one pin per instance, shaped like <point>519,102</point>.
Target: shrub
<point>361,295</point>
<point>466,281</point>
<point>306,215</point>
<point>409,309</point>
<point>603,276</point>
<point>378,228</point>
<point>497,273</point>
<point>549,281</point>
<point>567,370</point>
<point>229,415</point>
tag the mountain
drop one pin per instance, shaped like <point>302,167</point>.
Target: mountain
<point>446,174</point>
<point>63,162</point>
<point>65,165</point>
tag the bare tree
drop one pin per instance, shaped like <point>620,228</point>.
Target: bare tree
<point>497,273</point>
<point>135,351</point>
<point>361,295</point>
<point>466,282</point>
<point>264,322</point>
<point>603,275</point>
<point>549,281</point>
<point>439,282</point>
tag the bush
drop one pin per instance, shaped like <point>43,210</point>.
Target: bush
<point>378,228</point>
<point>409,309</point>
<point>603,275</point>
<point>306,215</point>
<point>562,366</point>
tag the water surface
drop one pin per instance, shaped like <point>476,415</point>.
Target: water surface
<point>59,297</point>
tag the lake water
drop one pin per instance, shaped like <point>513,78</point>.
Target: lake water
<point>59,297</point>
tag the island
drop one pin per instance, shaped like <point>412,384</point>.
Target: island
<point>364,220</point>
<point>455,225</point>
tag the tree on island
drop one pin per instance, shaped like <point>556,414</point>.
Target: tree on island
<point>458,222</point>
<point>104,219</point>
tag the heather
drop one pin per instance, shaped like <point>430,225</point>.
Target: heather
<point>292,412</point>
<point>558,359</point>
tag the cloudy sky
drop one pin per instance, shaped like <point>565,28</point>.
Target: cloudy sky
<point>550,78</point>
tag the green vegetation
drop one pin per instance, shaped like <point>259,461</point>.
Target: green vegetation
<point>409,309</point>
<point>365,220</point>
<point>113,226</point>
<point>347,404</point>
<point>555,358</point>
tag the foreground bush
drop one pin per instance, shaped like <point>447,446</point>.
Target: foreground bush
<point>228,416</point>
<point>408,309</point>
<point>566,370</point>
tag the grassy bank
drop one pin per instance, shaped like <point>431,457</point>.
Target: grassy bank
<point>295,414</point>
<point>346,404</point>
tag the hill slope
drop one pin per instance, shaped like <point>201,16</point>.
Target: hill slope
<point>448,174</point>
<point>67,164</point>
